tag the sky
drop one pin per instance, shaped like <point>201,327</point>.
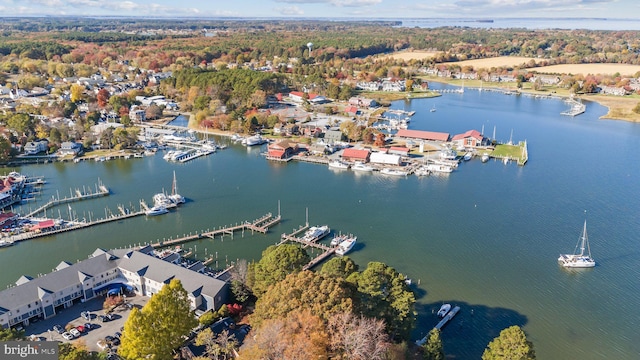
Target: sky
<point>367,9</point>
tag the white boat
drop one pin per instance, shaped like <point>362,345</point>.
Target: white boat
<point>161,200</point>
<point>175,197</point>
<point>156,210</point>
<point>467,156</point>
<point>316,233</point>
<point>485,158</point>
<point>422,171</point>
<point>5,243</point>
<point>444,309</point>
<point>361,167</point>
<point>168,155</point>
<point>337,164</point>
<point>433,108</point>
<point>579,259</point>
<point>394,172</point>
<point>448,154</point>
<point>346,246</point>
<point>256,139</point>
<point>342,238</point>
<point>505,160</point>
<point>441,168</point>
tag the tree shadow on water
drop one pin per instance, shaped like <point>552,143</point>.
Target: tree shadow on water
<point>470,331</point>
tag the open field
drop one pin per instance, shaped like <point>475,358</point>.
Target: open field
<point>586,69</point>
<point>494,62</point>
<point>620,108</point>
<point>409,55</point>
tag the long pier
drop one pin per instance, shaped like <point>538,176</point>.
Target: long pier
<point>101,190</point>
<point>260,225</point>
<point>440,324</point>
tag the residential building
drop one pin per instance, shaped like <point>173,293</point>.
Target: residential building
<point>70,148</point>
<point>362,102</point>
<point>471,138</point>
<point>69,284</point>
<point>333,136</point>
<point>282,150</point>
<point>35,147</point>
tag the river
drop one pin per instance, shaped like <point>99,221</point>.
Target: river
<point>485,237</point>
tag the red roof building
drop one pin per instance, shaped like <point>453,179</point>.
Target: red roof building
<point>298,96</point>
<point>282,149</point>
<point>7,219</point>
<point>44,225</point>
<point>351,154</point>
<point>399,150</point>
<point>351,110</point>
<point>423,135</point>
<point>471,138</point>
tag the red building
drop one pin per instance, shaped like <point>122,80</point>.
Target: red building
<point>471,138</point>
<point>351,154</point>
<point>423,135</point>
<point>283,149</point>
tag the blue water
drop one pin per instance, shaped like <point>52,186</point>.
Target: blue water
<point>485,237</point>
<point>528,23</point>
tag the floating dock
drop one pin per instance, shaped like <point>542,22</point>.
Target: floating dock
<point>85,194</point>
<point>441,324</point>
<point>327,250</point>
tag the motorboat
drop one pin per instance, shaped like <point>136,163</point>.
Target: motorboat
<point>485,157</point>
<point>346,246</point>
<point>444,309</point>
<point>422,171</point>
<point>5,243</point>
<point>579,259</point>
<point>394,172</point>
<point>359,166</point>
<point>161,200</point>
<point>441,168</point>
<point>342,238</point>
<point>256,139</point>
<point>337,164</point>
<point>156,210</point>
<point>316,233</point>
<point>467,156</point>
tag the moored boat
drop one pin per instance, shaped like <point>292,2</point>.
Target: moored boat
<point>439,168</point>
<point>256,139</point>
<point>316,233</point>
<point>444,309</point>
<point>467,156</point>
<point>342,238</point>
<point>5,243</point>
<point>394,172</point>
<point>156,210</point>
<point>485,157</point>
<point>346,246</point>
<point>337,164</point>
<point>361,167</point>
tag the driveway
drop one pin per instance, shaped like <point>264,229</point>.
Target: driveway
<point>71,316</point>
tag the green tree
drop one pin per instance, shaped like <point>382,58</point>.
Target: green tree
<point>158,329</point>
<point>219,347</point>
<point>11,333</point>
<point>433,347</point>
<point>339,267</point>
<point>511,344</point>
<point>21,123</point>
<point>385,295</point>
<point>68,351</point>
<point>320,294</point>
<point>276,263</point>
<point>5,150</point>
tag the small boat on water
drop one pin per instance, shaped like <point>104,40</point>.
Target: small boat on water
<point>394,172</point>
<point>467,156</point>
<point>441,168</point>
<point>5,243</point>
<point>156,210</point>
<point>361,167</point>
<point>337,164</point>
<point>579,259</point>
<point>346,246</point>
<point>342,238</point>
<point>316,233</point>
<point>422,171</point>
<point>444,309</point>
<point>256,139</point>
<point>433,109</point>
<point>485,157</point>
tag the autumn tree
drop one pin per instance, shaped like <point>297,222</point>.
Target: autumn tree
<point>156,330</point>
<point>20,123</point>
<point>322,295</point>
<point>77,92</point>
<point>76,351</point>
<point>153,112</point>
<point>220,346</point>
<point>298,335</point>
<point>380,140</point>
<point>384,294</point>
<point>103,98</point>
<point>357,337</point>
<point>276,263</point>
<point>512,343</point>
<point>432,349</point>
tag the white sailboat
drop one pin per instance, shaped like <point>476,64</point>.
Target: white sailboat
<point>175,197</point>
<point>579,259</point>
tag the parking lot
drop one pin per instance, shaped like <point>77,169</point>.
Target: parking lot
<point>72,316</point>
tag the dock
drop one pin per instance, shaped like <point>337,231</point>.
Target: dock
<point>441,324</point>
<point>577,108</point>
<point>260,225</point>
<point>85,194</point>
<point>327,250</point>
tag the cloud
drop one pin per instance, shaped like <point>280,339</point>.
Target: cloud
<point>85,7</point>
<point>339,3</point>
<point>290,10</point>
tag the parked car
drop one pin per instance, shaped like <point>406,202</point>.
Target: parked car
<point>102,344</point>
<point>117,334</point>
<point>88,326</point>
<point>106,318</point>
<point>81,328</point>
<point>74,332</point>
<point>57,328</point>
<point>86,315</point>
<point>67,336</point>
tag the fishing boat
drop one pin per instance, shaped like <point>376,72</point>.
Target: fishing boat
<point>485,158</point>
<point>346,246</point>
<point>316,233</point>
<point>579,259</point>
<point>444,309</point>
<point>359,166</point>
<point>156,210</point>
<point>394,172</point>
<point>337,164</point>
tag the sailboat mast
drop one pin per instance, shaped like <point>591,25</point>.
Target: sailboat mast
<point>174,185</point>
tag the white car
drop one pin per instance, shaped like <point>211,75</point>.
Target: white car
<point>68,336</point>
<point>74,332</point>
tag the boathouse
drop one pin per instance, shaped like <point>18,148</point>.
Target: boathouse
<point>282,150</point>
<point>422,135</point>
<point>387,159</point>
<point>351,154</point>
<point>471,138</point>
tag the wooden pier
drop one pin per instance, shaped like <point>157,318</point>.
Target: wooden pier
<point>101,190</point>
<point>260,225</point>
<point>440,324</point>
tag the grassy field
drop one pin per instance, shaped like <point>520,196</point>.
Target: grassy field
<point>411,55</point>
<point>488,63</point>
<point>585,69</point>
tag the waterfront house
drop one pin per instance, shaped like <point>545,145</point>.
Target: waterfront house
<point>7,219</point>
<point>290,129</point>
<point>352,154</point>
<point>69,284</point>
<point>422,135</point>
<point>351,110</point>
<point>333,136</point>
<point>282,150</point>
<point>471,138</point>
<point>362,102</point>
<point>612,90</point>
<point>70,148</point>
<point>35,147</point>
